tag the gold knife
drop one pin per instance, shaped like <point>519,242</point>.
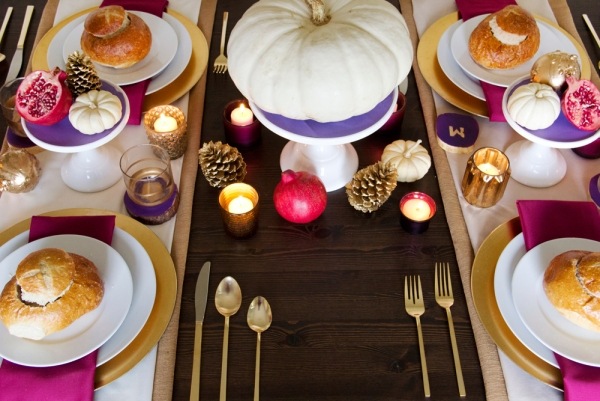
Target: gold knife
<point>200,299</point>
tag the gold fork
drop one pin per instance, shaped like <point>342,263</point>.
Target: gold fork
<point>413,302</point>
<point>445,298</point>
<point>220,66</point>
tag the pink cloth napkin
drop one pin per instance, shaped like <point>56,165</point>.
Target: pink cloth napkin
<point>546,220</point>
<point>73,381</point>
<point>136,92</point>
<point>493,94</point>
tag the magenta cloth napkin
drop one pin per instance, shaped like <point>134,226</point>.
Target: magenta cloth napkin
<point>73,381</point>
<point>546,220</point>
<point>136,92</point>
<point>493,94</point>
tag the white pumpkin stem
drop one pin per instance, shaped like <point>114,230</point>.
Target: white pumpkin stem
<point>319,16</point>
<point>408,153</point>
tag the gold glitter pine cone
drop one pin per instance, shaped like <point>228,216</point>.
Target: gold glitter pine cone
<point>81,74</point>
<point>371,187</point>
<point>221,164</point>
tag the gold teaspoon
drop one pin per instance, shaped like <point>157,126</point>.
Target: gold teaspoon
<point>228,300</point>
<point>259,320</point>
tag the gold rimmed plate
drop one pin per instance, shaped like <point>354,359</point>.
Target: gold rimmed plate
<point>167,94</point>
<point>482,287</point>
<point>443,86</point>
<point>164,300</point>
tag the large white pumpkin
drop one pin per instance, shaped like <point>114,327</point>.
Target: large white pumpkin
<point>288,65</point>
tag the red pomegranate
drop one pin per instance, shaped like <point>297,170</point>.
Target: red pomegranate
<point>43,97</point>
<point>581,104</point>
<point>300,197</point>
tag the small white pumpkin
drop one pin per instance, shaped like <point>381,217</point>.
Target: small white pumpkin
<point>534,106</point>
<point>327,60</point>
<point>411,160</point>
<point>95,111</point>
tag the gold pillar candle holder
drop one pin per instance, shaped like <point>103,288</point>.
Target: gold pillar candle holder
<point>486,177</point>
<point>239,209</point>
<point>174,139</point>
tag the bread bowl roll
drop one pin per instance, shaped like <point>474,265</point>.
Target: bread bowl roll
<point>572,284</point>
<point>34,321</point>
<point>505,39</point>
<point>115,38</point>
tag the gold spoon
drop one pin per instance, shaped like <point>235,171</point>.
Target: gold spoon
<point>592,30</point>
<point>228,300</point>
<point>259,320</point>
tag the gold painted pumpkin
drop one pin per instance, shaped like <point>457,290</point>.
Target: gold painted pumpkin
<point>95,111</point>
<point>324,61</point>
<point>534,106</point>
<point>411,160</point>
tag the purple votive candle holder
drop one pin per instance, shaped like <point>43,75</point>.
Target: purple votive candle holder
<point>416,210</point>
<point>244,129</point>
<point>590,151</point>
<point>395,120</point>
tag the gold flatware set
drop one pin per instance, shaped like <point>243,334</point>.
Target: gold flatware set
<point>415,307</point>
<point>220,65</point>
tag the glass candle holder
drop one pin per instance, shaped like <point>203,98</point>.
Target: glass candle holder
<point>416,211</point>
<point>151,196</point>
<point>239,208</point>
<point>486,177</point>
<point>173,138</point>
<point>395,120</point>
<point>244,129</point>
<point>8,93</point>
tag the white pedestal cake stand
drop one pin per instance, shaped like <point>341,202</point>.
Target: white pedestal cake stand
<point>325,149</point>
<point>536,161</point>
<point>92,164</point>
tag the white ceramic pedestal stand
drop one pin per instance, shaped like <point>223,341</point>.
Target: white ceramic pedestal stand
<point>91,165</point>
<point>333,160</point>
<point>536,161</point>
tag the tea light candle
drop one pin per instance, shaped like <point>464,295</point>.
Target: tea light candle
<point>239,209</point>
<point>242,115</point>
<point>165,123</point>
<point>240,205</point>
<point>488,168</point>
<point>416,210</point>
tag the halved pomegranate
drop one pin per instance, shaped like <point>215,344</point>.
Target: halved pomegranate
<point>43,97</point>
<point>581,104</point>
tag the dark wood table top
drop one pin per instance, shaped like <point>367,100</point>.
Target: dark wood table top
<point>340,330</point>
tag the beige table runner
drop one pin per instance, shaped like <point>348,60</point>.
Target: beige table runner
<point>165,363</point>
<point>488,353</point>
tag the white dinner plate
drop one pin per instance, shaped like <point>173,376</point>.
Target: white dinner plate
<point>88,332</point>
<point>540,317</point>
<point>507,262</point>
<point>143,296</point>
<point>551,39</point>
<point>162,52</point>
<point>451,68</point>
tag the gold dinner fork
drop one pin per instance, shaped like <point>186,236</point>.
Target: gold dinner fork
<point>445,298</point>
<point>220,66</point>
<point>413,302</point>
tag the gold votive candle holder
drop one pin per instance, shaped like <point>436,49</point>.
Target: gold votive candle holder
<point>486,176</point>
<point>174,141</point>
<point>239,209</point>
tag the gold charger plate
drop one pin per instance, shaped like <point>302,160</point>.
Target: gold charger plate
<point>443,86</point>
<point>482,288</point>
<point>164,302</point>
<point>173,91</point>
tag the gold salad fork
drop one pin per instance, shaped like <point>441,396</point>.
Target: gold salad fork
<point>220,66</point>
<point>445,298</point>
<point>413,302</point>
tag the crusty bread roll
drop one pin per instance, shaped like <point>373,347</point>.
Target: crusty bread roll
<point>505,39</point>
<point>572,284</point>
<point>115,38</point>
<point>34,321</point>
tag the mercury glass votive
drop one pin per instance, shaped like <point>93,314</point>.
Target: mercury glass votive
<point>166,126</point>
<point>416,210</point>
<point>241,127</point>
<point>486,176</point>
<point>151,195</point>
<point>239,209</point>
